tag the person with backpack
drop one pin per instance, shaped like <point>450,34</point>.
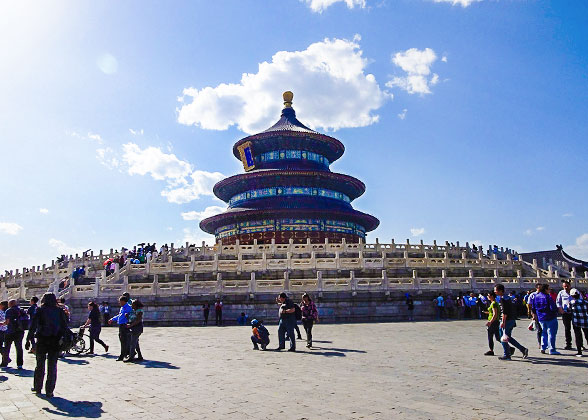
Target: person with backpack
<point>309,315</point>
<point>49,326</point>
<point>16,322</point>
<point>260,335</point>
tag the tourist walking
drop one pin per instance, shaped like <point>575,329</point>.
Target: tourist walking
<point>309,317</point>
<point>122,319</point>
<point>579,310</point>
<point>15,319</point>
<point>105,311</point>
<point>30,340</point>
<point>439,305</point>
<point>563,306</point>
<point>3,326</point>
<point>205,313</point>
<point>287,322</point>
<point>410,306</point>
<point>218,313</point>
<point>93,322</point>
<point>135,327</point>
<point>49,324</point>
<point>546,311</point>
<point>493,323</point>
<point>536,323</point>
<point>507,323</point>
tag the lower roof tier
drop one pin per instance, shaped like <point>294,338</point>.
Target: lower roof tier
<point>236,184</point>
<point>287,218</point>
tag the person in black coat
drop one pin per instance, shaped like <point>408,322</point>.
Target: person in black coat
<point>95,326</point>
<point>49,324</point>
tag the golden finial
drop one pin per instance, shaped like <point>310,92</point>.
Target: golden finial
<point>288,99</point>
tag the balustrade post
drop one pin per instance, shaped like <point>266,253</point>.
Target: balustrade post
<point>444,279</point>
<point>22,291</point>
<point>192,262</point>
<point>125,284</point>
<point>385,283</point>
<point>96,287</point>
<point>186,284</point>
<point>415,280</point>
<point>4,291</point>
<point>319,283</point>
<point>252,285</point>
<point>337,260</point>
<point>155,285</point>
<point>219,285</point>
<point>287,281</point>
<point>353,283</point>
<point>473,283</point>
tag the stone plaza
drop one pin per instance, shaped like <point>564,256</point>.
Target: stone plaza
<point>423,370</point>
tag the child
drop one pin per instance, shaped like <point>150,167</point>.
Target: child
<point>260,335</point>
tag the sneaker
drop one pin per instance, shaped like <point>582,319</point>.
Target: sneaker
<point>106,349</point>
<point>489,353</point>
<point>504,358</point>
<point>129,360</point>
<point>308,346</point>
<point>579,355</point>
<point>263,346</point>
<point>525,353</point>
<point>554,352</point>
<point>512,350</point>
<point>293,350</point>
<point>35,391</point>
<point>255,348</point>
<point>120,359</point>
<point>542,351</point>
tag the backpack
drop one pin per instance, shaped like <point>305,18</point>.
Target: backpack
<point>22,322</point>
<point>297,311</point>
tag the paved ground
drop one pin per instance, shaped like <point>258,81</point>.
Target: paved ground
<point>375,371</point>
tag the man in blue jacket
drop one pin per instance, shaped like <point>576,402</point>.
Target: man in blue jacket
<point>122,320</point>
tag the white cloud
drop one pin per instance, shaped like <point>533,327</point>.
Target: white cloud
<point>95,137</point>
<point>107,158</point>
<point>331,91</point>
<point>90,136</point>
<point>184,184</point>
<point>567,215</point>
<point>530,232</point>
<point>62,248</point>
<point>318,6</point>
<point>462,3</point>
<point>539,228</point>
<point>10,228</point>
<point>200,215</point>
<point>417,231</point>
<point>417,65</point>
<point>107,63</point>
<point>43,211</point>
<point>136,132</point>
<point>580,248</point>
<point>402,115</point>
<point>444,59</point>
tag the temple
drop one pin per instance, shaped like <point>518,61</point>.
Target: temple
<point>288,191</point>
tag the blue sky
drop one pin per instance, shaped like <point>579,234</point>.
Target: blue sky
<point>465,119</point>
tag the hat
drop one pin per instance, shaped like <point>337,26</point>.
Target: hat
<point>254,322</point>
<point>574,292</point>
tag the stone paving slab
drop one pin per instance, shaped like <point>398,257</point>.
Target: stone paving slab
<point>425,370</point>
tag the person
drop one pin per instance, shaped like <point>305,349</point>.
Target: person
<point>65,309</point>
<point>218,312</point>
<point>49,324</point>
<point>3,326</point>
<point>409,307</point>
<point>493,323</point>
<point>242,319</point>
<point>474,308</point>
<point>449,305</point>
<point>14,333</point>
<point>135,326</point>
<point>105,311</point>
<point>439,304</point>
<point>538,329</point>
<point>30,341</point>
<point>507,323</point>
<point>309,317</point>
<point>546,311</point>
<point>562,302</point>
<point>93,322</point>
<point>122,319</point>
<point>287,322</point>
<point>460,305</point>
<point>205,312</point>
<point>527,305</point>
<point>579,311</point>
<point>298,317</point>
<point>259,335</point>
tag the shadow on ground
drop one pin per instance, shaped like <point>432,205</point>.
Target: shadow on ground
<point>67,408</point>
<point>576,362</point>
<point>157,364</point>
<point>19,372</point>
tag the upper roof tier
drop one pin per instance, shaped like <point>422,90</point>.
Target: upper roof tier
<point>289,133</point>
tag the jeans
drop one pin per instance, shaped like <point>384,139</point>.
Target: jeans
<point>47,350</point>
<point>124,336</point>
<point>549,332</point>
<point>16,338</point>
<point>218,317</point>
<point>307,324</point>
<point>134,345</point>
<point>509,325</point>
<point>493,334</point>
<point>578,334</point>
<point>567,321</point>
<point>286,325</point>
<point>257,341</point>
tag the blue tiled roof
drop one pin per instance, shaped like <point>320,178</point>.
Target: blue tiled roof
<point>288,122</point>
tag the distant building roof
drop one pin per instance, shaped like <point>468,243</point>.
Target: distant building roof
<point>557,254</point>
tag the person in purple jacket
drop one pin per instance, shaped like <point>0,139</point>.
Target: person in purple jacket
<point>545,309</point>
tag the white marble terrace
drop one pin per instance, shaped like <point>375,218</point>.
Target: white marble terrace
<point>270,268</point>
